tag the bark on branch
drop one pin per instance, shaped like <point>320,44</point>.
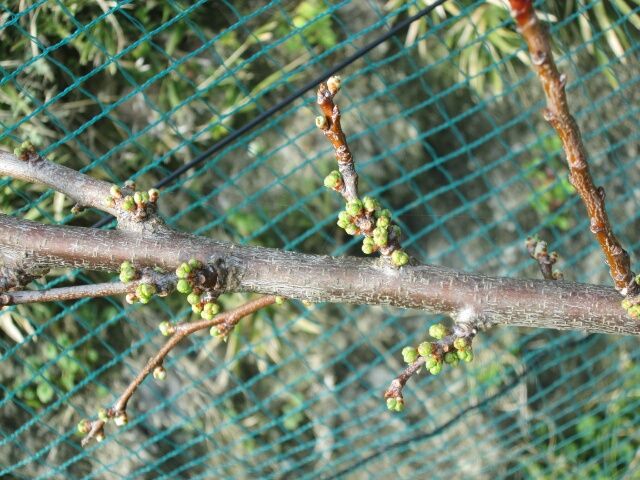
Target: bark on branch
<point>315,278</point>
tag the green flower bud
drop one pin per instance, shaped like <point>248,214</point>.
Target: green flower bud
<point>469,357</point>
<point>383,222</point>
<point>121,419</point>
<point>391,403</point>
<point>437,331</point>
<point>344,216</point>
<point>370,204</point>
<point>451,358</point>
<point>380,236</point>
<point>166,329</point>
<point>430,362</point>
<point>354,207</point>
<point>626,304</point>
<point>115,191</point>
<point>333,180</point>
<point>195,264</point>
<point>84,426</point>
<point>127,272</point>
<point>183,286</point>
<point>399,405</point>
<point>159,373</point>
<point>215,332</point>
<point>343,224</point>
<point>409,354</point>
<point>128,204</point>
<point>279,300</point>
<point>103,415</point>
<point>210,310</point>
<point>144,300</point>
<point>436,369</point>
<point>109,202</point>
<point>137,198</point>
<point>399,258</point>
<point>424,349</point>
<point>383,213</point>
<point>147,289</point>
<point>351,229</point>
<point>183,270</point>
<point>196,309</point>
<point>367,249</point>
<point>193,298</point>
<point>460,343</point>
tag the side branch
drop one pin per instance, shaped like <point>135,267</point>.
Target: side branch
<point>226,320</point>
<point>163,282</point>
<point>83,189</point>
<point>559,116</point>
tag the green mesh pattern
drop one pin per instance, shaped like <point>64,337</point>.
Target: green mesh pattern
<point>445,124</point>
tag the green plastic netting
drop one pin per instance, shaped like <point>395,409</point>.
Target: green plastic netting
<point>445,124</point>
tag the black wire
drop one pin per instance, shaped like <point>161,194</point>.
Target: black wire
<point>285,101</point>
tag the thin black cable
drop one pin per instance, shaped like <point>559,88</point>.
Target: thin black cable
<point>285,101</point>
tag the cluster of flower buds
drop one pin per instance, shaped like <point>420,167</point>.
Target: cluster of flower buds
<point>25,150</point>
<point>144,292</point>
<point>448,347</point>
<point>378,227</point>
<point>202,302</point>
<point>136,203</point>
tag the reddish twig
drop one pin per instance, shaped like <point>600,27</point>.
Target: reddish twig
<point>225,322</point>
<point>559,116</point>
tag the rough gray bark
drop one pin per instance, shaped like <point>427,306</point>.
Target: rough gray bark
<point>465,296</point>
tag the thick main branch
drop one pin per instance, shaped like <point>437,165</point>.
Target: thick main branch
<point>315,278</point>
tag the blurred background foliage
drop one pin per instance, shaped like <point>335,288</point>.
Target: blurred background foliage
<point>444,120</point>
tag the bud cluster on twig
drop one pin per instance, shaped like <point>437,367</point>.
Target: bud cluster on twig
<point>361,216</point>
<point>449,346</point>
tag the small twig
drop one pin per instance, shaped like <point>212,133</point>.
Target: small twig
<point>163,282</point>
<point>224,321</point>
<point>538,251</point>
<point>559,116</point>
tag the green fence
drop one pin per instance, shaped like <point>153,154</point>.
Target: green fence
<point>445,124</point>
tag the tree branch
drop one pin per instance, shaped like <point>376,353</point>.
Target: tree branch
<point>225,321</point>
<point>559,116</point>
<point>316,278</point>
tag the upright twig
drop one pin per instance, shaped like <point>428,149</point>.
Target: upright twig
<point>361,216</point>
<point>559,116</point>
<point>222,323</point>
